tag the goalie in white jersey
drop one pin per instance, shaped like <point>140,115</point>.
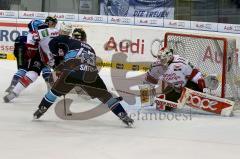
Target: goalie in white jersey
<point>177,72</point>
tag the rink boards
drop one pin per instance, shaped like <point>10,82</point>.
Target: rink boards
<point>127,47</point>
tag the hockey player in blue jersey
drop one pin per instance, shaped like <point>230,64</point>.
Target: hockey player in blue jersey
<point>77,63</point>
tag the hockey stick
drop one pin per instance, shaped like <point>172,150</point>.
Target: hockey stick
<point>66,108</point>
<point>122,91</point>
<point>135,94</point>
<point>64,105</point>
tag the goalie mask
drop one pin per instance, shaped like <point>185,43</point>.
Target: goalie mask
<point>165,55</point>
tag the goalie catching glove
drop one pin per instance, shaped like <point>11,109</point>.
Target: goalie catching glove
<point>211,82</point>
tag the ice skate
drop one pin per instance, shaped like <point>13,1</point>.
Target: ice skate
<point>126,119</point>
<point>40,112</point>
<point>9,97</point>
<point>119,98</point>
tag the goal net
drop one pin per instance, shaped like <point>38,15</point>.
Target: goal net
<point>212,55</point>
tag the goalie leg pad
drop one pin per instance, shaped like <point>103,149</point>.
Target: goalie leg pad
<point>162,104</point>
<point>171,94</point>
<point>206,102</point>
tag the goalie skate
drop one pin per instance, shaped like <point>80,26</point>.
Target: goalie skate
<point>206,102</point>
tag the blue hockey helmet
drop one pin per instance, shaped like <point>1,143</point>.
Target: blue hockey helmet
<point>34,24</point>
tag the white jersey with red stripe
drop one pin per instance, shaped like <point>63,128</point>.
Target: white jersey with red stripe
<point>31,44</point>
<point>48,32</point>
<point>176,74</point>
<point>46,36</point>
<point>37,38</point>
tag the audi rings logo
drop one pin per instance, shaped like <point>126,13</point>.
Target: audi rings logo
<point>125,20</point>
<point>70,17</point>
<point>40,15</point>
<point>93,18</point>
<point>98,19</point>
<point>153,21</point>
<point>236,28</point>
<point>7,14</point>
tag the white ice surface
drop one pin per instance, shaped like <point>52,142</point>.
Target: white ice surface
<point>105,137</point>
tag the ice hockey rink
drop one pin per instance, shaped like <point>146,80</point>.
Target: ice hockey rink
<point>191,135</point>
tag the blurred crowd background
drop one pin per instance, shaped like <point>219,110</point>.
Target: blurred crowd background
<point>219,11</point>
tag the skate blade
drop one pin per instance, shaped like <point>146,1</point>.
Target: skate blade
<point>130,125</point>
<point>35,118</point>
<point>6,100</point>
